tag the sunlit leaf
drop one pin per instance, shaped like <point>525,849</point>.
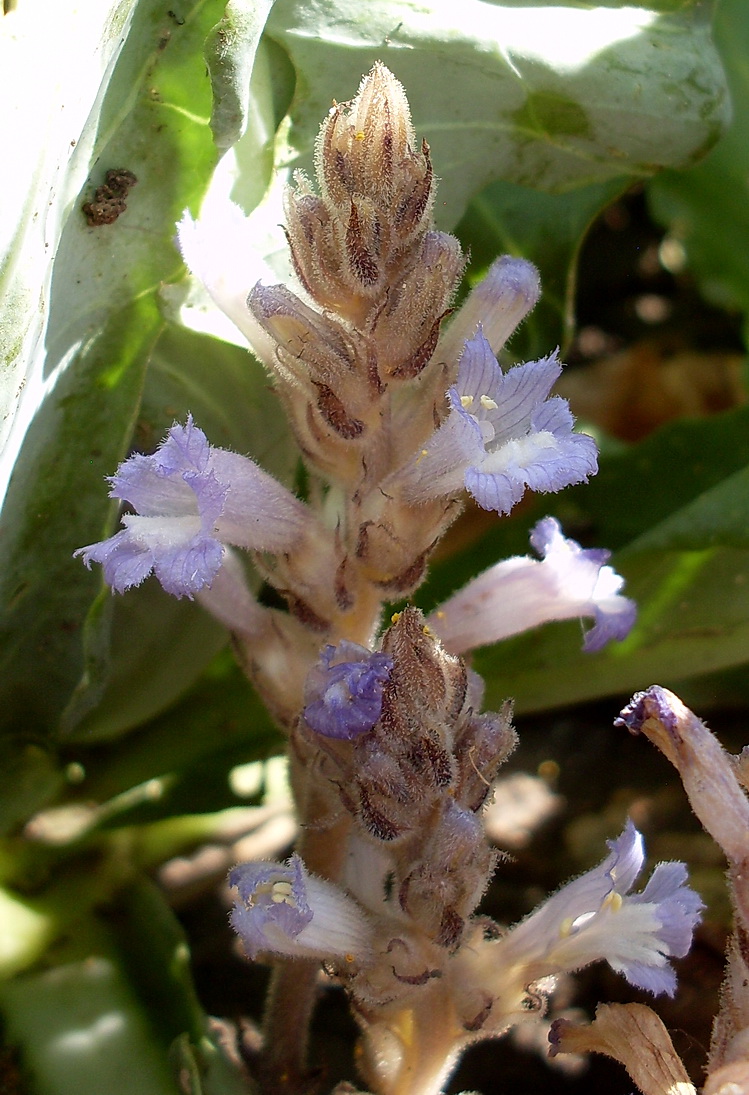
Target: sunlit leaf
<point>101,321</point>
<point>551,97</point>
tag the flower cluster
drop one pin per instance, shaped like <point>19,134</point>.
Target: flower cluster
<point>414,782</point>
<point>400,409</point>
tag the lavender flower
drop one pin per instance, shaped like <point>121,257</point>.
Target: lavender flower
<point>520,593</point>
<point>343,692</point>
<point>501,300</point>
<point>285,910</point>
<point>596,917</point>
<point>191,499</point>
<point>503,435</point>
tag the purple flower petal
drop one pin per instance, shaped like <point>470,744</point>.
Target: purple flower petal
<point>191,500</point>
<point>273,903</point>
<point>520,593</point>
<point>596,917</point>
<point>521,439</point>
<point>343,692</point>
<point>283,909</point>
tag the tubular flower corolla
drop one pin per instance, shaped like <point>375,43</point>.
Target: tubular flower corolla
<point>597,917</point>
<point>282,909</point>
<point>190,500</point>
<point>520,593</point>
<point>503,435</point>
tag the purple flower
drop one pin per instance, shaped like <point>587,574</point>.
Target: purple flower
<point>283,909</point>
<point>503,435</point>
<point>596,917</point>
<point>191,499</point>
<point>497,304</point>
<point>520,593</point>
<point>343,692</point>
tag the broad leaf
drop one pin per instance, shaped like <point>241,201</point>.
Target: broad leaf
<point>551,97</point>
<point>100,323</point>
<point>705,208</point>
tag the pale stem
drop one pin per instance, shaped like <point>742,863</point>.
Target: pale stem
<point>429,1039</point>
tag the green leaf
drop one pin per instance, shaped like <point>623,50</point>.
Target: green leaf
<point>547,228</point>
<point>55,494</point>
<point>550,97</point>
<point>80,1026</point>
<point>706,207</point>
<point>100,324</point>
<point>218,723</point>
<point>649,483</point>
<point>52,137</point>
<point>230,52</point>
<point>155,953</point>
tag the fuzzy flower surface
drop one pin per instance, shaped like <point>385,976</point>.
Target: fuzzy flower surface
<point>496,305</point>
<point>282,909</point>
<point>598,917</point>
<point>504,434</point>
<point>190,500</point>
<point>343,692</point>
<point>520,593</point>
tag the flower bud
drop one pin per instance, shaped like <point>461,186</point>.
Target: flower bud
<point>407,329</point>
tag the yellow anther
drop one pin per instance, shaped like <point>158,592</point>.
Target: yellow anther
<point>395,617</point>
<point>466,401</point>
<point>349,958</point>
<point>422,454</point>
<point>488,403</point>
<point>614,900</point>
<point>359,136</point>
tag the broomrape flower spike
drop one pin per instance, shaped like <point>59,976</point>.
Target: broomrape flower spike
<point>503,435</point>
<point>190,500</point>
<point>398,406</point>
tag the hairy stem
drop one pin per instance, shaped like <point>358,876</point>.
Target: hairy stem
<point>288,1011</point>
